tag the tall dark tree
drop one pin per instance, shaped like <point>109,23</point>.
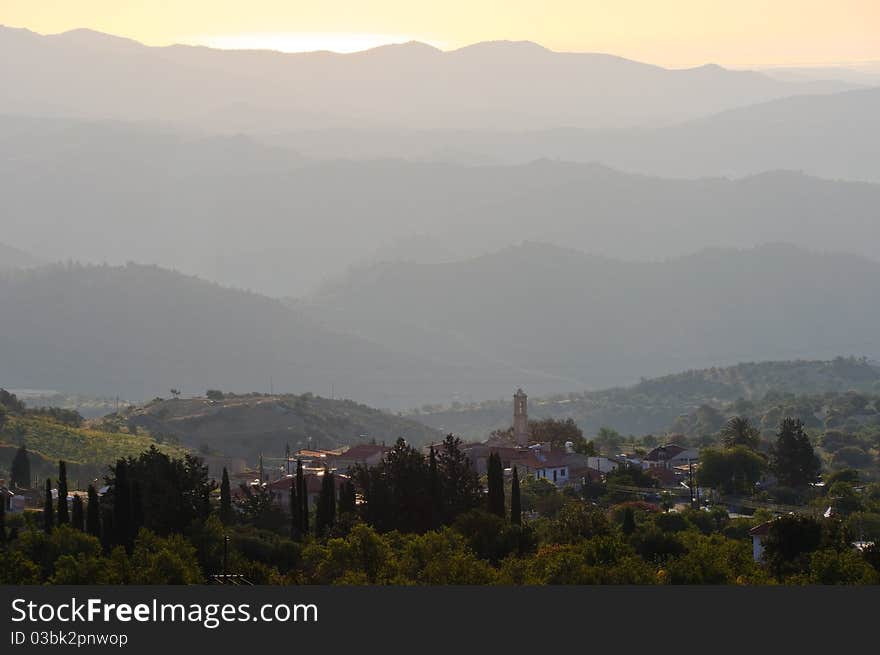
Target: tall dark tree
<point>495,485</point>
<point>347,498</point>
<point>178,490</point>
<point>48,508</point>
<point>225,499</point>
<point>21,469</point>
<point>78,517</point>
<point>515,500</point>
<point>2,520</point>
<point>121,490</point>
<point>435,489</point>
<point>93,513</point>
<point>461,485</point>
<point>325,513</point>
<point>792,458</point>
<point>63,515</point>
<point>108,532</point>
<point>137,508</point>
<point>294,510</point>
<point>302,493</point>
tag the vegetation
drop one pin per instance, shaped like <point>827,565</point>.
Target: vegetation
<point>48,437</point>
<point>213,424</point>
<point>383,533</point>
<point>676,403</point>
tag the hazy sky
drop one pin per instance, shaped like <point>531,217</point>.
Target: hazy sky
<point>667,32</point>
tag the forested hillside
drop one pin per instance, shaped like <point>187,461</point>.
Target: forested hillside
<point>252,425</point>
<point>671,402</point>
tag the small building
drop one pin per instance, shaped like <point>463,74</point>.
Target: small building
<point>280,489</point>
<point>366,454</point>
<point>671,455</point>
<point>602,464</point>
<point>759,535</point>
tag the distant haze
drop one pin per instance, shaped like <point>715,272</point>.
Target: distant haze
<point>407,225</point>
<point>674,33</point>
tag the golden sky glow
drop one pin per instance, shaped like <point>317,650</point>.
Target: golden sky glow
<point>667,32</point>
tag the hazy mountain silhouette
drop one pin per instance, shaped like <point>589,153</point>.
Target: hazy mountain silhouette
<point>138,331</point>
<point>400,335</point>
<point>496,85</point>
<point>834,135</point>
<point>597,322</point>
<point>11,258</point>
<point>237,212</point>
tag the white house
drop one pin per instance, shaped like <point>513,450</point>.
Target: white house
<point>602,464</point>
<point>671,455</point>
<point>759,534</point>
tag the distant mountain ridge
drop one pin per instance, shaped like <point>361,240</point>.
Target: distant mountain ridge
<point>571,320</point>
<point>495,85</point>
<point>656,405</point>
<point>235,211</point>
<point>401,335</point>
<point>138,331</point>
<point>833,136</point>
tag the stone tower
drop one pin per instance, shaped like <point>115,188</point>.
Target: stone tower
<point>520,418</point>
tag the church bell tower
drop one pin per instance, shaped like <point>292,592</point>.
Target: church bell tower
<point>520,418</point>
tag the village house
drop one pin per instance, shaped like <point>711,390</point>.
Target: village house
<point>670,456</point>
<point>365,454</point>
<point>280,489</point>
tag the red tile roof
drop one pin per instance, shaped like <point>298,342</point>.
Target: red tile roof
<point>363,451</point>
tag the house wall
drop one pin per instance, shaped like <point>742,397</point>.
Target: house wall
<point>757,548</point>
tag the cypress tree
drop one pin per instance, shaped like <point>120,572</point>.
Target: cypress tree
<point>122,506</point>
<point>20,472</point>
<point>435,488</point>
<point>93,513</point>
<point>78,517</point>
<point>302,492</point>
<point>108,532</point>
<point>137,509</point>
<point>496,485</point>
<point>515,501</point>
<point>348,498</point>
<point>225,499</point>
<point>48,509</point>
<point>63,515</point>
<point>2,520</point>
<point>294,510</point>
<point>326,511</point>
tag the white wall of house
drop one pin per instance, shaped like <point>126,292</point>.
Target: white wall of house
<point>601,464</point>
<point>757,547</point>
<point>555,474</point>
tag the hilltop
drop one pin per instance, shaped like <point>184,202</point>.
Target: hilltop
<point>250,425</point>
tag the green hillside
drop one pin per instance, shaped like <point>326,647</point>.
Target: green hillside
<point>87,451</point>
